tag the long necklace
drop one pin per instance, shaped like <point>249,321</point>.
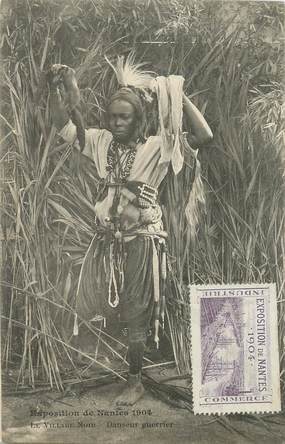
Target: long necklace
<point>121,169</point>
<point>119,164</point>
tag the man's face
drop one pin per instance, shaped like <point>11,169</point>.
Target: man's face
<point>122,120</point>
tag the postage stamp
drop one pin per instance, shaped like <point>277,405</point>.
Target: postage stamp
<point>235,355</point>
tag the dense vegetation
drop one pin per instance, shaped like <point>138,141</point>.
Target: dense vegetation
<point>231,56</point>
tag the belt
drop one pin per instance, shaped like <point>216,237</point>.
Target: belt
<point>101,229</point>
<point>146,195</point>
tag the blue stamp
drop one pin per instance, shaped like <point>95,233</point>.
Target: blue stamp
<point>235,356</point>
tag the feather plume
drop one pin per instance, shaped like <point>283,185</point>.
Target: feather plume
<point>129,73</point>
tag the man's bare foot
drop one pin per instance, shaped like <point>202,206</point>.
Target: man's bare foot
<point>131,393</point>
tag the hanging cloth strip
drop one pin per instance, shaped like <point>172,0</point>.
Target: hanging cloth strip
<point>155,271</point>
<point>169,91</point>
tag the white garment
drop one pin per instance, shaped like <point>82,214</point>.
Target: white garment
<point>169,92</point>
<point>147,167</point>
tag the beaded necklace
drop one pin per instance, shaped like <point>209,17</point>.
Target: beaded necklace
<point>123,169</point>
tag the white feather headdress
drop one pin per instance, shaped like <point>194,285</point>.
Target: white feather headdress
<point>131,74</point>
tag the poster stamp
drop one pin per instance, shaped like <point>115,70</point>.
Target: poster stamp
<point>235,355</point>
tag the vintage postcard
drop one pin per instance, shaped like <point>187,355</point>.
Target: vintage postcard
<point>235,344</point>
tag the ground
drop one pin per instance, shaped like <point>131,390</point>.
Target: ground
<point>150,421</point>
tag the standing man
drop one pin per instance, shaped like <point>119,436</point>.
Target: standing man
<point>126,258</point>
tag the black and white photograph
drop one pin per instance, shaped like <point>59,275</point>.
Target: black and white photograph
<point>142,239</point>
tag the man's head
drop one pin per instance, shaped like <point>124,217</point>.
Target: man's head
<point>122,121</point>
<point>126,117</point>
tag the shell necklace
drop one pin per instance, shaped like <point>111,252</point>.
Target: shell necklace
<point>120,164</point>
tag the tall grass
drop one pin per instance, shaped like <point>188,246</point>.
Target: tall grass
<point>48,217</point>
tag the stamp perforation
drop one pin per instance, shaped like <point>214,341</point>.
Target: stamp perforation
<point>234,339</point>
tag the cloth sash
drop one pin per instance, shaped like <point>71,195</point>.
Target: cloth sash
<point>169,91</point>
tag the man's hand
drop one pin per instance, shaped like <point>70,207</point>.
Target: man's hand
<point>54,75</point>
<point>61,79</point>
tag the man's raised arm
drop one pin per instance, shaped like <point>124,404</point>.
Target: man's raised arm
<point>200,131</point>
<point>64,100</point>
<point>59,114</point>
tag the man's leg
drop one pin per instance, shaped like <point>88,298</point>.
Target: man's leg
<point>136,310</point>
<point>134,388</point>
